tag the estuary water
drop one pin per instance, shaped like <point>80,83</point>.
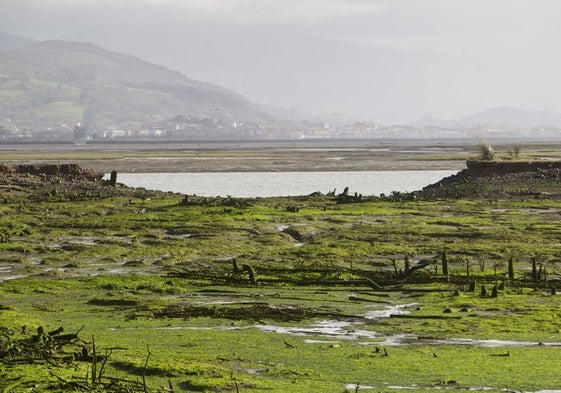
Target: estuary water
<point>270,184</point>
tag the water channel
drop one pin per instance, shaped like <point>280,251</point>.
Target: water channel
<point>269,184</point>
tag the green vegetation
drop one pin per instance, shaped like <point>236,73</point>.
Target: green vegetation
<point>155,293</point>
<point>486,151</point>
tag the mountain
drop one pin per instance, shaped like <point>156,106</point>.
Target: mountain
<point>44,84</point>
<point>316,75</point>
<point>322,75</point>
<point>10,42</point>
<point>515,117</point>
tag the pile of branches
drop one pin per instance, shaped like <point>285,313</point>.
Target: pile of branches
<point>55,350</point>
<point>43,347</point>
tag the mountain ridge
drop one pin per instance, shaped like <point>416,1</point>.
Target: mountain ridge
<point>47,83</point>
<point>9,41</point>
<point>499,115</point>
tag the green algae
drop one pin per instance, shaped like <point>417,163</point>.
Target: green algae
<point>110,266</point>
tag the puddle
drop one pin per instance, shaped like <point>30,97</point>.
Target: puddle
<point>497,343</point>
<point>355,387</point>
<point>180,237</point>
<point>84,240</point>
<point>345,330</point>
<point>321,341</point>
<point>490,343</point>
<point>342,330</point>
<point>5,269</point>
<point>8,278</point>
<point>410,339</point>
<point>334,330</point>
<point>254,371</point>
<point>387,311</point>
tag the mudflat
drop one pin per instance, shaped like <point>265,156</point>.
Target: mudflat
<point>246,156</point>
<point>454,287</point>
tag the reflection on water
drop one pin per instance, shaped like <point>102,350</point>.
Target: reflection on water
<point>268,184</point>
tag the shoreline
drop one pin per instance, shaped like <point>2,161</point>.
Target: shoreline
<point>245,157</point>
<point>267,156</point>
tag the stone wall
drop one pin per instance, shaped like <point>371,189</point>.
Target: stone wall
<point>480,168</point>
<point>62,170</point>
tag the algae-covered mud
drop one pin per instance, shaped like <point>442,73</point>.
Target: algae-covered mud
<point>109,288</point>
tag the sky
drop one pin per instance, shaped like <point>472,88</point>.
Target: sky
<point>383,60</point>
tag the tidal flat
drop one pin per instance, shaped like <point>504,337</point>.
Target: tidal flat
<point>119,289</point>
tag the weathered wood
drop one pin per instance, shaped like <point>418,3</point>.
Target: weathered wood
<point>113,179</point>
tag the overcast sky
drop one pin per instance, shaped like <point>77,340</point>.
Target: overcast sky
<point>507,48</point>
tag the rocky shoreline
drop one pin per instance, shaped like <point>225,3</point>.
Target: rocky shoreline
<point>481,179</point>
<point>60,181</point>
<point>504,179</point>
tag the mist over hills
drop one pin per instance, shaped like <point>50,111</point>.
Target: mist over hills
<point>46,83</point>
<point>55,85</point>
<point>515,117</point>
<point>316,75</point>
<point>11,42</point>
<point>498,116</point>
<point>322,75</point>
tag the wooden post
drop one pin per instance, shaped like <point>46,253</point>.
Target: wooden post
<point>511,269</point>
<point>113,179</point>
<point>444,263</point>
<point>395,267</point>
<point>251,272</point>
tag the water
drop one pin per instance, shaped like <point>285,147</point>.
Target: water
<point>269,184</point>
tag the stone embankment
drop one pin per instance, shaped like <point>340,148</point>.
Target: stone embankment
<point>492,179</point>
<point>60,170</point>
<point>58,181</point>
<point>479,168</point>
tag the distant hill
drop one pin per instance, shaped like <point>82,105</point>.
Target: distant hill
<point>10,42</point>
<point>499,116</point>
<point>515,117</point>
<point>48,83</point>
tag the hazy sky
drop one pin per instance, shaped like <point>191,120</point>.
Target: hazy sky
<point>484,52</point>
